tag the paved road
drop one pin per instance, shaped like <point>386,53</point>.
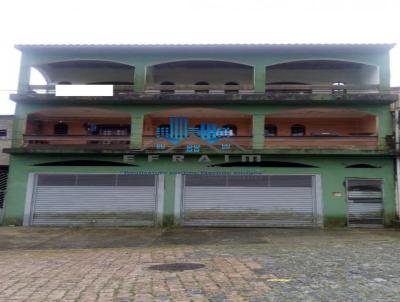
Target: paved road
<point>240,265</point>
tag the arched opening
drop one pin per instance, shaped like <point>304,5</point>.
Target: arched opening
<point>167,90</point>
<point>323,74</point>
<point>297,130</point>
<point>84,163</point>
<point>60,128</point>
<point>191,73</point>
<point>264,163</point>
<point>78,126</point>
<point>233,89</point>
<point>270,130</point>
<point>363,166</point>
<point>87,72</point>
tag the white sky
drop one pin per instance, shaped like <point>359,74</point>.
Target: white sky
<point>189,21</point>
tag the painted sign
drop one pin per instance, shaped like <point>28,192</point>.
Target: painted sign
<point>178,130</point>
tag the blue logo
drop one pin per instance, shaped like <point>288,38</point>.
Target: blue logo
<point>178,131</point>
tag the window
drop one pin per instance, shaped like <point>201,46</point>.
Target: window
<point>3,133</point>
<point>167,91</point>
<point>202,83</point>
<point>270,130</point>
<point>61,128</point>
<point>298,130</point>
<point>233,90</point>
<point>231,128</point>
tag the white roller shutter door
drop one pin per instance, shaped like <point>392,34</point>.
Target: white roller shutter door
<point>249,200</point>
<point>94,199</point>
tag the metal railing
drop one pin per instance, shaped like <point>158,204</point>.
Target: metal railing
<point>196,144</point>
<point>230,89</point>
<point>345,142</point>
<point>88,141</point>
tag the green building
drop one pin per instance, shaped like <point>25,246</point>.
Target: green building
<point>203,135</point>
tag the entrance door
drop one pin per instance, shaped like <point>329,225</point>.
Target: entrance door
<point>365,201</point>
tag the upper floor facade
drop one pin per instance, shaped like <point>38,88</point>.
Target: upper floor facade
<point>210,69</point>
<point>212,98</point>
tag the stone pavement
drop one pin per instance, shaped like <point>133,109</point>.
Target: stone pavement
<point>240,265</point>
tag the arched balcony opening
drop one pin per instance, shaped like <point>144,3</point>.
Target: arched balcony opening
<point>322,128</point>
<point>189,75</point>
<point>88,72</point>
<point>182,129</point>
<point>78,126</point>
<point>322,76</point>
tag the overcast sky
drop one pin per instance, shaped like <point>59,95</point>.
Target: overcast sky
<point>189,21</point>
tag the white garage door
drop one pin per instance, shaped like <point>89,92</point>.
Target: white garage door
<point>249,200</point>
<point>94,199</point>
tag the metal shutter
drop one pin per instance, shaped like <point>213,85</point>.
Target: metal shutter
<point>365,201</point>
<point>254,200</point>
<point>94,199</point>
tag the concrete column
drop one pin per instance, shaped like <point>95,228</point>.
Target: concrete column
<point>140,78</point>
<point>258,131</point>
<point>24,75</point>
<point>136,130</point>
<point>259,78</point>
<point>19,129</point>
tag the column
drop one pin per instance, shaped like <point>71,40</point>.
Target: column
<point>24,75</point>
<point>258,131</point>
<point>136,130</point>
<point>259,78</point>
<point>140,78</point>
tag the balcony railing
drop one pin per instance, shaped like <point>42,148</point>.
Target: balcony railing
<point>321,142</point>
<point>321,89</point>
<point>51,89</point>
<point>88,141</point>
<point>195,144</point>
<point>230,89</point>
<point>192,89</point>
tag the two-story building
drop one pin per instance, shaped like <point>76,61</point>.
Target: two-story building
<point>203,135</point>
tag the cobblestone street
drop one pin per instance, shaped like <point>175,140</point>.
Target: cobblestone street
<point>240,265</point>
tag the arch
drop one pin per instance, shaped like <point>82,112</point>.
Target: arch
<point>203,83</point>
<point>200,112</point>
<point>317,112</point>
<point>266,163</point>
<point>76,111</point>
<point>323,71</point>
<point>231,83</point>
<point>84,163</point>
<point>363,166</point>
<point>87,71</point>
<point>189,71</point>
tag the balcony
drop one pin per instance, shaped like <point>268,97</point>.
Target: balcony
<point>77,127</point>
<point>321,128</point>
<point>369,142</point>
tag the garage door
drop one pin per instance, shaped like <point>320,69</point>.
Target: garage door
<point>94,199</point>
<point>253,200</point>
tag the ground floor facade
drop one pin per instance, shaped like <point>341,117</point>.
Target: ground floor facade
<point>200,190</point>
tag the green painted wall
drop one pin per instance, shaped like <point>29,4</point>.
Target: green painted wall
<point>333,173</point>
<point>258,58</point>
